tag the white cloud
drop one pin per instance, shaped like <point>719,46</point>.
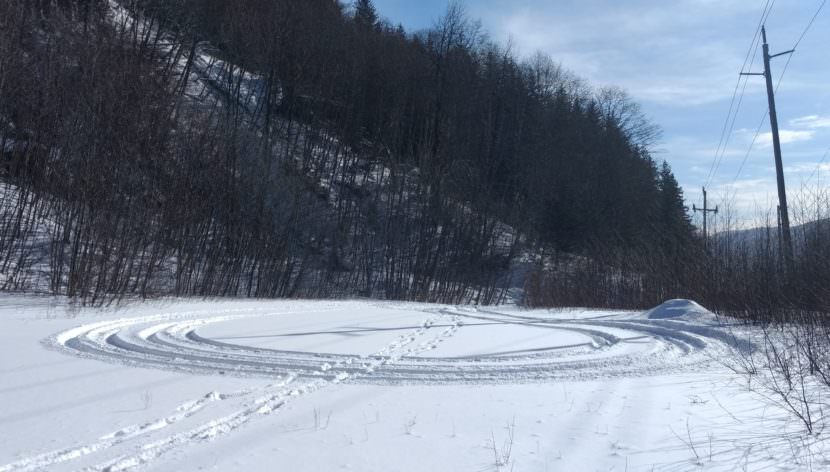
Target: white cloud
<point>811,122</point>
<point>697,152</point>
<point>788,136</point>
<point>654,50</point>
<point>807,168</point>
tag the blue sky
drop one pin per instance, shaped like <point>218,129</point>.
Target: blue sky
<point>680,60</point>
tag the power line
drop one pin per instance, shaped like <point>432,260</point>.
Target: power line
<point>810,24</point>
<point>818,166</point>
<point>728,127</point>
<point>729,134</point>
<point>778,85</point>
<point>749,151</point>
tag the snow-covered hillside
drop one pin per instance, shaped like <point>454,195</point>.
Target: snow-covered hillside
<point>316,386</point>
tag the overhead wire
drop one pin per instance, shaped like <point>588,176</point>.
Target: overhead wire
<point>734,110</point>
<point>731,129</point>
<point>818,166</point>
<point>777,86</point>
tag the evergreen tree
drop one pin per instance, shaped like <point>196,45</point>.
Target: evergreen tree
<point>674,217</point>
<point>365,14</point>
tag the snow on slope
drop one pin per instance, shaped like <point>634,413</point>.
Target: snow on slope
<point>290,385</point>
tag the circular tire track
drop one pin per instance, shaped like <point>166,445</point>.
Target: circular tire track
<point>615,347</point>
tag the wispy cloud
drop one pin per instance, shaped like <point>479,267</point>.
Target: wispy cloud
<point>811,122</point>
<point>807,168</point>
<point>764,140</point>
<point>655,51</point>
<point>788,136</point>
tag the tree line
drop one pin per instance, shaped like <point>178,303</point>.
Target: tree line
<point>277,148</point>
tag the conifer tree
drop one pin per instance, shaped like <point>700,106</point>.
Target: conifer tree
<point>365,14</point>
<point>674,216</point>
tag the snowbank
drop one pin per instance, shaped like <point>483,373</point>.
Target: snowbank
<point>676,309</point>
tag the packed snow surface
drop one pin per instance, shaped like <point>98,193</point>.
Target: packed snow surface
<point>304,385</point>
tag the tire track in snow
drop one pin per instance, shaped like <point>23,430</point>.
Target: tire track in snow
<point>262,405</point>
<point>272,403</point>
<point>614,348</point>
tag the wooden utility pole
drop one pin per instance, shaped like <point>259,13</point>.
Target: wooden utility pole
<point>780,240</point>
<point>776,145</point>
<point>706,210</point>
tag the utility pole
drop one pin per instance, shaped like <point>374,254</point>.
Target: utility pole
<point>780,240</point>
<point>706,210</point>
<point>776,145</point>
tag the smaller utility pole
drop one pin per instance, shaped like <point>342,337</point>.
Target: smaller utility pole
<point>706,210</point>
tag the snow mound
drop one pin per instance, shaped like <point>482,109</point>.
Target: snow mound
<point>676,309</point>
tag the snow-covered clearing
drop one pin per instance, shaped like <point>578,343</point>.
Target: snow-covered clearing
<point>291,385</point>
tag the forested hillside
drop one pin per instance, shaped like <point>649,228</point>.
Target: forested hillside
<point>285,148</point>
